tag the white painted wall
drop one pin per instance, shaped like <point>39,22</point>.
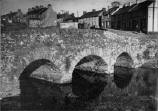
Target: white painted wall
<point>153,17</point>
<point>50,18</point>
<point>69,25</point>
<point>91,21</point>
<point>156,17</point>
<point>34,23</point>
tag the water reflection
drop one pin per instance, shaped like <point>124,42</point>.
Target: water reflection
<point>147,76</point>
<point>122,76</point>
<point>89,77</point>
<point>123,70</point>
<point>87,84</point>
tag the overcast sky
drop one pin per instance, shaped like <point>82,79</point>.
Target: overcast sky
<point>58,5</point>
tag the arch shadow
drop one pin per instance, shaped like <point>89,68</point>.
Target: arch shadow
<point>123,70</point>
<point>35,65</point>
<point>37,93</point>
<point>89,77</point>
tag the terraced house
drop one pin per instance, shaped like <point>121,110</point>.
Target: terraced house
<point>106,18</point>
<point>13,17</point>
<point>92,19</point>
<point>137,17</point>
<point>41,16</point>
<point>65,17</point>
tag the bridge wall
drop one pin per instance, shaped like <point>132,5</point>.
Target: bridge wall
<point>107,45</point>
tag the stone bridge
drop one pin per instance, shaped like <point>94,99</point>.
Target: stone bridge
<point>66,51</point>
<point>67,47</point>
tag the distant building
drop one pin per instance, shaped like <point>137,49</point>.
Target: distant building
<point>41,16</point>
<point>92,19</point>
<point>60,17</point>
<point>69,25</point>
<point>66,20</point>
<point>72,18</point>
<point>13,17</point>
<point>66,17</point>
<point>106,18</point>
<point>137,17</point>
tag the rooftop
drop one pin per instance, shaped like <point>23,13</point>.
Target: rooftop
<point>141,5</point>
<point>11,14</point>
<point>124,9</point>
<point>110,11</point>
<point>92,14</point>
<point>37,10</point>
<point>133,7</point>
<point>65,16</point>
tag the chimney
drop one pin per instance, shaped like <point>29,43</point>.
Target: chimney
<point>33,8</point>
<point>29,9</point>
<point>67,12</point>
<point>129,3</point>
<point>93,10</point>
<point>73,14</point>
<point>37,7</point>
<point>108,7</point>
<point>84,12</point>
<point>41,6</point>
<point>104,9</point>
<point>49,5</point>
<point>19,10</point>
<point>136,1</point>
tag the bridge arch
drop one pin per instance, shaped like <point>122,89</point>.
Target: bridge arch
<point>124,59</point>
<point>123,71</point>
<point>35,65</point>
<point>91,51</point>
<point>36,89</point>
<point>89,77</point>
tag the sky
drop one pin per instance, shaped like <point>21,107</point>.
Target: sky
<point>73,6</point>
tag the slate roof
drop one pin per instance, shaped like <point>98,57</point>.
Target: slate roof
<point>9,14</point>
<point>111,10</point>
<point>65,16</point>
<point>141,5</point>
<point>91,14</point>
<point>72,18</point>
<point>37,11</point>
<point>133,7</point>
<point>124,10</point>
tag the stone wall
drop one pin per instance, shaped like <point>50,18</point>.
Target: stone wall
<point>57,45</point>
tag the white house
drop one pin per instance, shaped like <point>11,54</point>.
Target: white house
<point>142,16</point>
<point>152,25</point>
<point>40,16</point>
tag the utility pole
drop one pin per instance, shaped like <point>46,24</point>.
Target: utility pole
<point>62,11</point>
<point>77,14</point>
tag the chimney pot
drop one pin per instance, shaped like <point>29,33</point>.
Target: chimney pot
<point>84,12</point>
<point>49,5</point>
<point>93,10</point>
<point>103,9</point>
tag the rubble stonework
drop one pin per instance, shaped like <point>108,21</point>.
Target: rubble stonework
<point>56,45</point>
<point>66,49</point>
